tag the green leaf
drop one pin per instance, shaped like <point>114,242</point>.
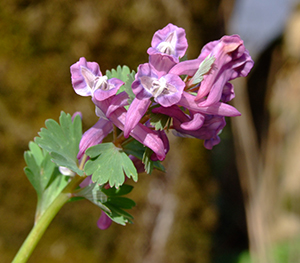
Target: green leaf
<point>204,68</point>
<point>37,161</point>
<point>62,140</point>
<point>118,215</point>
<point>127,86</point>
<point>122,202</point>
<point>122,190</point>
<point>147,161</point>
<point>108,164</point>
<point>110,201</point>
<point>56,184</point>
<point>124,74</point>
<point>184,58</point>
<point>138,150</point>
<point>93,193</point>
<point>44,176</point>
<point>160,121</point>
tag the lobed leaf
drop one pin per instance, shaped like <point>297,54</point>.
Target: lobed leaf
<point>108,164</point>
<point>122,190</point>
<point>160,121</point>
<point>149,165</point>
<point>44,176</point>
<point>110,201</point>
<point>62,140</point>
<point>124,74</point>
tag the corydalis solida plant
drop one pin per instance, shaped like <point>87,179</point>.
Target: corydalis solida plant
<point>166,94</point>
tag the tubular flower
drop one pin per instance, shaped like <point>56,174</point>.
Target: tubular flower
<point>94,135</point>
<point>231,60</point>
<point>141,133</point>
<point>87,78</point>
<point>170,41</point>
<point>208,130</point>
<point>190,97</point>
<point>165,90</point>
<point>104,221</point>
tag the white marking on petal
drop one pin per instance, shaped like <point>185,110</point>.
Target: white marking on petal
<point>168,46</point>
<point>157,87</point>
<point>101,83</point>
<point>88,76</point>
<point>95,82</point>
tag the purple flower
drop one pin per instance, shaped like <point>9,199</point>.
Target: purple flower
<point>219,108</point>
<point>140,167</point>
<point>228,92</point>
<point>87,78</point>
<point>165,140</point>
<point>140,132</point>
<point>75,114</point>
<point>169,41</point>
<point>166,91</point>
<point>211,125</point>
<point>232,60</point>
<point>104,221</point>
<point>94,135</point>
<point>86,182</point>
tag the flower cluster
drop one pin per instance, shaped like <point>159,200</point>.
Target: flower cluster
<point>192,94</point>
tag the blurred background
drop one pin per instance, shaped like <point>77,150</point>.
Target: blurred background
<point>239,200</point>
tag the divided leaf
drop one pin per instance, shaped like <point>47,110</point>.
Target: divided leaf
<point>149,165</point>
<point>116,203</point>
<point>124,74</point>
<point>62,140</point>
<point>94,194</point>
<point>44,176</point>
<point>108,164</point>
<point>160,121</point>
<point>111,201</point>
<point>122,190</point>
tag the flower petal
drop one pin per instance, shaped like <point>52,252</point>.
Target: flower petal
<point>232,61</point>
<point>94,135</point>
<point>172,92</point>
<point>104,221</point>
<point>140,132</point>
<point>162,64</point>
<point>188,101</point>
<point>135,112</point>
<point>82,84</point>
<point>116,102</point>
<point>110,90</point>
<point>195,124</point>
<point>170,40</point>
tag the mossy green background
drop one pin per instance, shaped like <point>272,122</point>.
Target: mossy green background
<point>39,41</point>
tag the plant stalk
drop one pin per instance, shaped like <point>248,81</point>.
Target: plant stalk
<point>42,224</point>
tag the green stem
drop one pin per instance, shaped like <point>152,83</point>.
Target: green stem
<point>42,224</point>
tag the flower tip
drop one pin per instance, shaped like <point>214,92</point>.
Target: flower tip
<point>104,221</point>
<point>75,114</point>
<point>126,130</point>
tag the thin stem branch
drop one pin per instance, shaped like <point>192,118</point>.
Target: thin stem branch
<point>42,224</point>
